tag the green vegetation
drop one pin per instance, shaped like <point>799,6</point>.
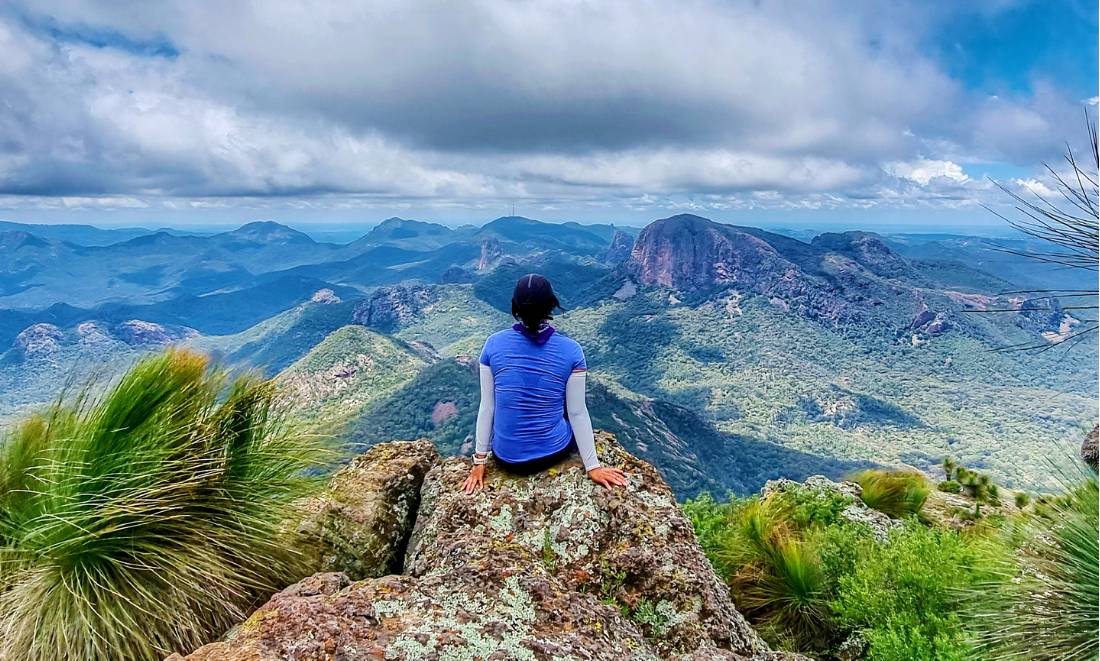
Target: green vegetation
<point>949,486</point>
<point>897,493</point>
<point>904,596</point>
<point>979,486</point>
<point>150,519</point>
<point>1022,499</point>
<point>275,343</point>
<point>845,392</point>
<point>549,558</point>
<point>351,368</point>
<point>766,549</point>
<point>1049,608</point>
<point>650,617</point>
<point>809,579</point>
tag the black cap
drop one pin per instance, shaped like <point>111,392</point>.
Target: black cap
<point>533,301</point>
<point>533,289</point>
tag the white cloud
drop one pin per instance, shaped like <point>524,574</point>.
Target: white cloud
<point>1037,187</point>
<point>104,202</point>
<point>923,171</point>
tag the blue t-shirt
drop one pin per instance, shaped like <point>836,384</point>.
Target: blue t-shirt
<point>529,383</point>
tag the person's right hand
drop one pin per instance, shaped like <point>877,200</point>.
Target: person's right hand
<point>608,477</point>
<point>476,480</point>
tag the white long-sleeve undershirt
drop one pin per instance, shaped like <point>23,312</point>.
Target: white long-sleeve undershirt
<point>575,406</point>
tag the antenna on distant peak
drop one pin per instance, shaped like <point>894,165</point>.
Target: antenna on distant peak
<point>513,209</point>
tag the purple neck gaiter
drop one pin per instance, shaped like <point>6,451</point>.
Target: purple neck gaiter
<point>540,338</point>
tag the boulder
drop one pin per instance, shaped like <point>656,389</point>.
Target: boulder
<point>392,307</point>
<point>1089,448</point>
<point>856,511</point>
<point>550,566</point>
<point>39,340</point>
<point>631,547</point>
<point>362,522</point>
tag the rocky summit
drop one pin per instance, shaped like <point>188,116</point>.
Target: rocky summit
<point>550,566</point>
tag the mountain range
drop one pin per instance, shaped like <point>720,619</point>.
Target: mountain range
<point>727,355</point>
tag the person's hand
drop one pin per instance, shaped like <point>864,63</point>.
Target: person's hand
<point>608,477</point>
<point>476,480</point>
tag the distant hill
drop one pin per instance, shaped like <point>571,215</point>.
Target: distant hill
<point>147,268</point>
<point>276,342</point>
<point>346,371</point>
<point>536,235</point>
<point>83,235</point>
<point>725,354</point>
<point>408,234</point>
<point>997,257</point>
<point>218,313</point>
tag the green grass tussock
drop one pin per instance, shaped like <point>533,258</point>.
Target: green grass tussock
<point>774,570</point>
<point>150,519</point>
<point>1022,586</point>
<point>1047,609</point>
<point>896,493</point>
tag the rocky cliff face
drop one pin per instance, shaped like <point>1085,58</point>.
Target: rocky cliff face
<point>621,246</point>
<point>136,332</point>
<point>866,248</point>
<point>837,278</point>
<point>390,308</point>
<point>536,568</point>
<point>491,253</point>
<point>689,253</point>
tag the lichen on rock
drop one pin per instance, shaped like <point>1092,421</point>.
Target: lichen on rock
<point>361,523</point>
<point>539,568</point>
<point>856,511</point>
<point>625,546</point>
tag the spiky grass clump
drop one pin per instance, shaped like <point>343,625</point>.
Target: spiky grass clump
<point>896,493</point>
<point>150,519</point>
<point>775,574</point>
<point>1044,604</point>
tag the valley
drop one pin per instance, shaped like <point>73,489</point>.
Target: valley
<point>726,355</point>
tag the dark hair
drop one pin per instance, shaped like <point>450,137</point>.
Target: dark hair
<point>533,301</point>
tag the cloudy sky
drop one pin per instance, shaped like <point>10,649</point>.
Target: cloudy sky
<point>166,112</point>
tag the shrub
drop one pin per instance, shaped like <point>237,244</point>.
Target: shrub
<point>896,493</point>
<point>949,467</point>
<point>949,486</point>
<point>1022,499</point>
<point>150,519</point>
<point>805,507</point>
<point>903,596</point>
<point>711,521</point>
<point>1047,609</point>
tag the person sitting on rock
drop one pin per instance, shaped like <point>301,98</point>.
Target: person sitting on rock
<point>530,377</point>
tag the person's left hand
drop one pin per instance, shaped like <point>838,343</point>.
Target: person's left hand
<point>608,477</point>
<point>476,480</point>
